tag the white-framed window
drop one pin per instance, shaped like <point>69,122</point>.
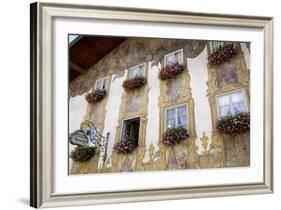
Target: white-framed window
<point>231,103</point>
<point>101,84</point>
<point>176,116</point>
<point>131,130</point>
<point>174,57</point>
<point>137,71</point>
<point>215,45</point>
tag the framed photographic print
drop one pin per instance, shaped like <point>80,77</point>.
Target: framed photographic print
<point>134,104</point>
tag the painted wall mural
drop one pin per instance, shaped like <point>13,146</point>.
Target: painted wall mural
<point>134,103</point>
<point>131,53</point>
<point>128,139</point>
<point>226,74</point>
<point>174,89</point>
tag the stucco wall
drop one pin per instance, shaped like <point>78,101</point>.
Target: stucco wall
<point>112,112</point>
<point>198,71</point>
<point>204,148</point>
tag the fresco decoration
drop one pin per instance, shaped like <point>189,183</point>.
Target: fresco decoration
<point>126,165</point>
<point>172,161</point>
<point>134,103</point>
<point>226,74</point>
<point>174,89</point>
<point>130,53</point>
<point>148,116</point>
<point>237,151</point>
<point>182,160</point>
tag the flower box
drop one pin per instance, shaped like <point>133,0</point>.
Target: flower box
<point>82,154</point>
<point>222,55</point>
<point>174,135</point>
<point>95,96</point>
<point>124,146</point>
<point>171,71</point>
<point>135,83</point>
<point>234,124</point>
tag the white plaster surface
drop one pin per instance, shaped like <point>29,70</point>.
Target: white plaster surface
<point>246,55</point>
<point>112,111</point>
<point>77,110</point>
<point>152,127</point>
<point>199,76</point>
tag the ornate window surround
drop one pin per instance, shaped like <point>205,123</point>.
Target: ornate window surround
<point>173,107</point>
<point>130,118</point>
<point>104,79</point>
<point>143,73</point>
<point>230,92</point>
<point>174,52</point>
<point>222,43</point>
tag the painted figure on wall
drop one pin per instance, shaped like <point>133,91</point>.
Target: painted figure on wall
<point>226,74</point>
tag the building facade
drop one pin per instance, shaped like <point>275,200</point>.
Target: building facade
<point>195,99</point>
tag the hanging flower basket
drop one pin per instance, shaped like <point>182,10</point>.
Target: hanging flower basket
<point>134,83</point>
<point>95,96</point>
<point>170,71</point>
<point>174,135</point>
<point>234,124</point>
<point>124,146</point>
<point>222,55</point>
<point>82,154</point>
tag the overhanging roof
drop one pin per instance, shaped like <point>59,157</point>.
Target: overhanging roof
<point>85,51</point>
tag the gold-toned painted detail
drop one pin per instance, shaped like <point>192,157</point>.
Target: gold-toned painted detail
<point>151,152</point>
<point>217,147</point>
<point>169,97</point>
<point>196,45</point>
<point>204,139</point>
<point>140,110</point>
<point>184,155</point>
<point>193,157</point>
<point>95,113</point>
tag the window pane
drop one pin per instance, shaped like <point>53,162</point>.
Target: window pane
<point>224,111</point>
<point>178,56</point>
<point>125,131</point>
<point>216,45</point>
<point>99,84</point>
<point>224,105</point>
<point>103,84</point>
<point>171,118</point>
<point>141,71</point>
<point>237,97</point>
<point>134,72</point>
<point>223,100</point>
<point>238,102</point>
<point>231,104</point>
<point>171,59</point>
<point>130,130</point>
<point>182,117</point>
